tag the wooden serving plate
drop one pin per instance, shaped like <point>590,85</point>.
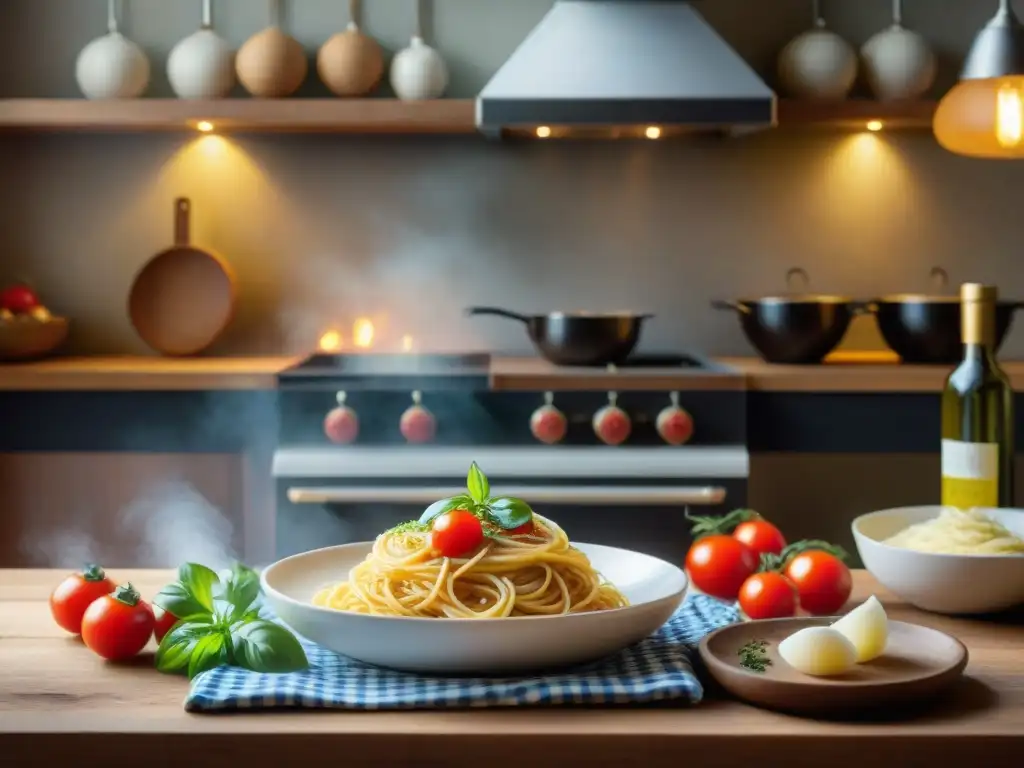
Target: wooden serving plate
<point>918,663</point>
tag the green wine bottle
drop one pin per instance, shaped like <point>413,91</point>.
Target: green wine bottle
<point>977,412</point>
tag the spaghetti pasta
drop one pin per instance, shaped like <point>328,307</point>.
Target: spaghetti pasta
<point>538,573</point>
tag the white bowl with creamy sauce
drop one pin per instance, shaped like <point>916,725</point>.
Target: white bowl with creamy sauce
<point>963,579</point>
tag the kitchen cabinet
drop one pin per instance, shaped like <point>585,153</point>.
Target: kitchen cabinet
<point>121,509</point>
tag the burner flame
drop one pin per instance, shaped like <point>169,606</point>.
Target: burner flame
<point>330,342</point>
<point>362,333</point>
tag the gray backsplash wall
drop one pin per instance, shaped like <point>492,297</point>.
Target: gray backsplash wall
<point>408,231</point>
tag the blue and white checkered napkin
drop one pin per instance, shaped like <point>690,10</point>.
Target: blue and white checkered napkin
<point>657,668</point>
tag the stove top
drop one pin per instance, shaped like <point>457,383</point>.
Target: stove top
<point>395,364</point>
<point>461,371</point>
<point>480,399</point>
<point>444,364</point>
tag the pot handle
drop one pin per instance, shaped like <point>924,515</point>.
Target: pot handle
<point>736,306</point>
<point>797,275</point>
<point>939,278</point>
<point>497,311</point>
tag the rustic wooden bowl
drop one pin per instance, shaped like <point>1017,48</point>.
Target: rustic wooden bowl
<point>30,339</point>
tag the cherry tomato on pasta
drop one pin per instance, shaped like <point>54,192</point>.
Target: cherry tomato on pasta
<point>768,596</point>
<point>522,530</point>
<point>73,595</point>
<point>761,536</point>
<point>718,565</point>
<point>822,580</point>
<point>456,533</point>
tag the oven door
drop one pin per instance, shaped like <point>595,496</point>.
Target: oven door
<point>635,498</point>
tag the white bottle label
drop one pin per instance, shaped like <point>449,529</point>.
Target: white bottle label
<point>970,461</point>
<point>970,474</point>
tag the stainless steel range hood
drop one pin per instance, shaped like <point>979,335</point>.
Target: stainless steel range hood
<point>613,64</point>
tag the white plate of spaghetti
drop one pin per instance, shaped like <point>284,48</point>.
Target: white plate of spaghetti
<point>478,585</point>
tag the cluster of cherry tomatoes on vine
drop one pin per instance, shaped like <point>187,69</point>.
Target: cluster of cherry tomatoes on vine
<point>741,556</point>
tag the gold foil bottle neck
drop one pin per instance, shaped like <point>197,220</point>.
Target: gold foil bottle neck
<point>978,314</point>
<point>978,292</point>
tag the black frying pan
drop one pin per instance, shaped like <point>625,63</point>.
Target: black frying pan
<point>578,338</point>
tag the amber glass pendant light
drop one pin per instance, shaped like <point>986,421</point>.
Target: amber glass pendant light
<point>983,114</point>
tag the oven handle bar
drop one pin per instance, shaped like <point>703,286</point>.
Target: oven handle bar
<point>591,495</point>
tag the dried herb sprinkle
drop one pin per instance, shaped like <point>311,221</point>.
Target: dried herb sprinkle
<point>754,656</point>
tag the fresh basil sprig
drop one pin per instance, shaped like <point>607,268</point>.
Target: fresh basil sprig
<point>506,512</point>
<point>219,623</point>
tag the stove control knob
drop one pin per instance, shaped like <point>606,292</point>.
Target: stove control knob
<point>611,423</point>
<point>418,425</point>
<point>675,425</point>
<point>341,425</point>
<point>548,424</point>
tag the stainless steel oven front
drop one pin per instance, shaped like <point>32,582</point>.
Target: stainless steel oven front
<point>626,497</point>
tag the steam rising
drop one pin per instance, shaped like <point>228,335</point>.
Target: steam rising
<point>175,524</point>
<point>169,524</point>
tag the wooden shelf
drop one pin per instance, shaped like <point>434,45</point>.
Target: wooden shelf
<point>384,116</point>
<point>275,115</point>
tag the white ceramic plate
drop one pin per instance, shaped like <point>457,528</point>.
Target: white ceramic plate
<point>953,584</point>
<point>475,646</point>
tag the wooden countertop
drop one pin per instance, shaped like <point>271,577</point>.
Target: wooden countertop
<point>857,373</point>
<point>144,373</point>
<point>58,701</point>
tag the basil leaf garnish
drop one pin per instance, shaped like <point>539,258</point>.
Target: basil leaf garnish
<point>478,485</point>
<point>176,648</point>
<point>209,651</point>
<point>219,623</point>
<point>509,512</point>
<point>263,646</point>
<point>199,581</point>
<point>438,508</point>
<point>178,601</point>
<point>241,588</point>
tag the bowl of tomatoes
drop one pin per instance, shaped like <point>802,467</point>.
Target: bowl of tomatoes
<point>742,557</point>
<point>27,329</point>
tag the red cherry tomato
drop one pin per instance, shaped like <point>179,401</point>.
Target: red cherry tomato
<point>718,565</point>
<point>163,621</point>
<point>761,536</point>
<point>768,596</point>
<point>118,626</point>
<point>456,533</point>
<point>73,595</point>
<point>522,530</point>
<point>19,299</point>
<point>822,580</point>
